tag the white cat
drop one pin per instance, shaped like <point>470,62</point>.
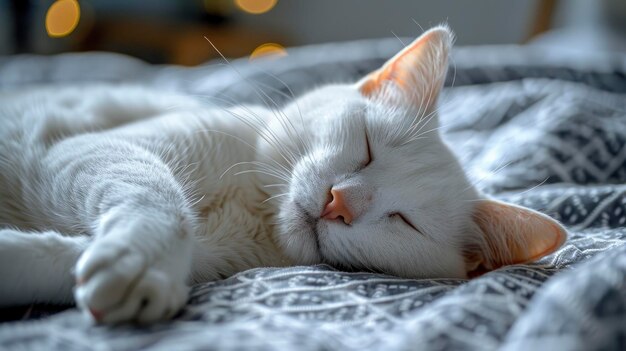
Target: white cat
<point>114,196</point>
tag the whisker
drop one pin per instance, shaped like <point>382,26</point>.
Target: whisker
<point>533,188</point>
<point>197,201</point>
<point>274,185</point>
<point>260,93</point>
<point>414,21</point>
<point>520,193</point>
<point>397,37</point>
<point>257,127</point>
<point>262,172</point>
<point>491,174</point>
<point>274,197</point>
<point>306,145</point>
<point>267,170</point>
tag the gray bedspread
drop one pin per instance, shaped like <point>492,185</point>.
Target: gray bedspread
<point>542,129</point>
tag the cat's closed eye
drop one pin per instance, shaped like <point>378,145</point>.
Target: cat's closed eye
<point>368,160</point>
<point>401,217</point>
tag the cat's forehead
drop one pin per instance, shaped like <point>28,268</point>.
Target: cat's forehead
<point>426,166</point>
<point>343,103</point>
<point>339,99</point>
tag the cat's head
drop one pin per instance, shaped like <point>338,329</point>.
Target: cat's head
<point>371,184</point>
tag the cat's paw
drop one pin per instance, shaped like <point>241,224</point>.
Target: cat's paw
<point>117,284</point>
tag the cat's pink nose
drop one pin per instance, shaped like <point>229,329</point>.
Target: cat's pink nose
<point>337,207</point>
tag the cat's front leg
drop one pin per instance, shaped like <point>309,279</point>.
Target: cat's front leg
<point>128,199</point>
<point>137,268</point>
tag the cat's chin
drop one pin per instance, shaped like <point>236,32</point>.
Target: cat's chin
<point>298,236</point>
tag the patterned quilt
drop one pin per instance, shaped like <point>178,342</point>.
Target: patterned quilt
<point>535,127</point>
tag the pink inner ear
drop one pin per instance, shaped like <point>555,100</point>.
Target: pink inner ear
<point>515,234</point>
<point>392,70</point>
<point>418,70</point>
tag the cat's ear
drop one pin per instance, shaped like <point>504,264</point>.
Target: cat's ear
<point>512,235</point>
<point>416,74</point>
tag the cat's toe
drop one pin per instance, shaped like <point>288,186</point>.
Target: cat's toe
<point>117,285</point>
<point>160,298</point>
<point>118,262</point>
<point>103,275</point>
<point>152,299</point>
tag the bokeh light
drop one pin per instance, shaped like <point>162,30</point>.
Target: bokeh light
<point>268,50</point>
<point>62,18</point>
<point>256,7</point>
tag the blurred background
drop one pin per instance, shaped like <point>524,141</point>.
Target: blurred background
<point>173,31</point>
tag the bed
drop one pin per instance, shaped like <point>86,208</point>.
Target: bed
<point>534,126</point>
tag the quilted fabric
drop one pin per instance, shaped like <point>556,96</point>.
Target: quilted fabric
<point>539,129</point>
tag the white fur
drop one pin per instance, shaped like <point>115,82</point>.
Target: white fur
<point>420,179</point>
<point>137,173</point>
<point>132,178</point>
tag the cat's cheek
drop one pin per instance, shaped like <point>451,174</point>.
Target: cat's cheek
<point>300,246</point>
<point>297,239</point>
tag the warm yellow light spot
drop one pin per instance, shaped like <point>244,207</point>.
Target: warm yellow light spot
<point>256,7</point>
<point>62,18</point>
<point>268,50</point>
